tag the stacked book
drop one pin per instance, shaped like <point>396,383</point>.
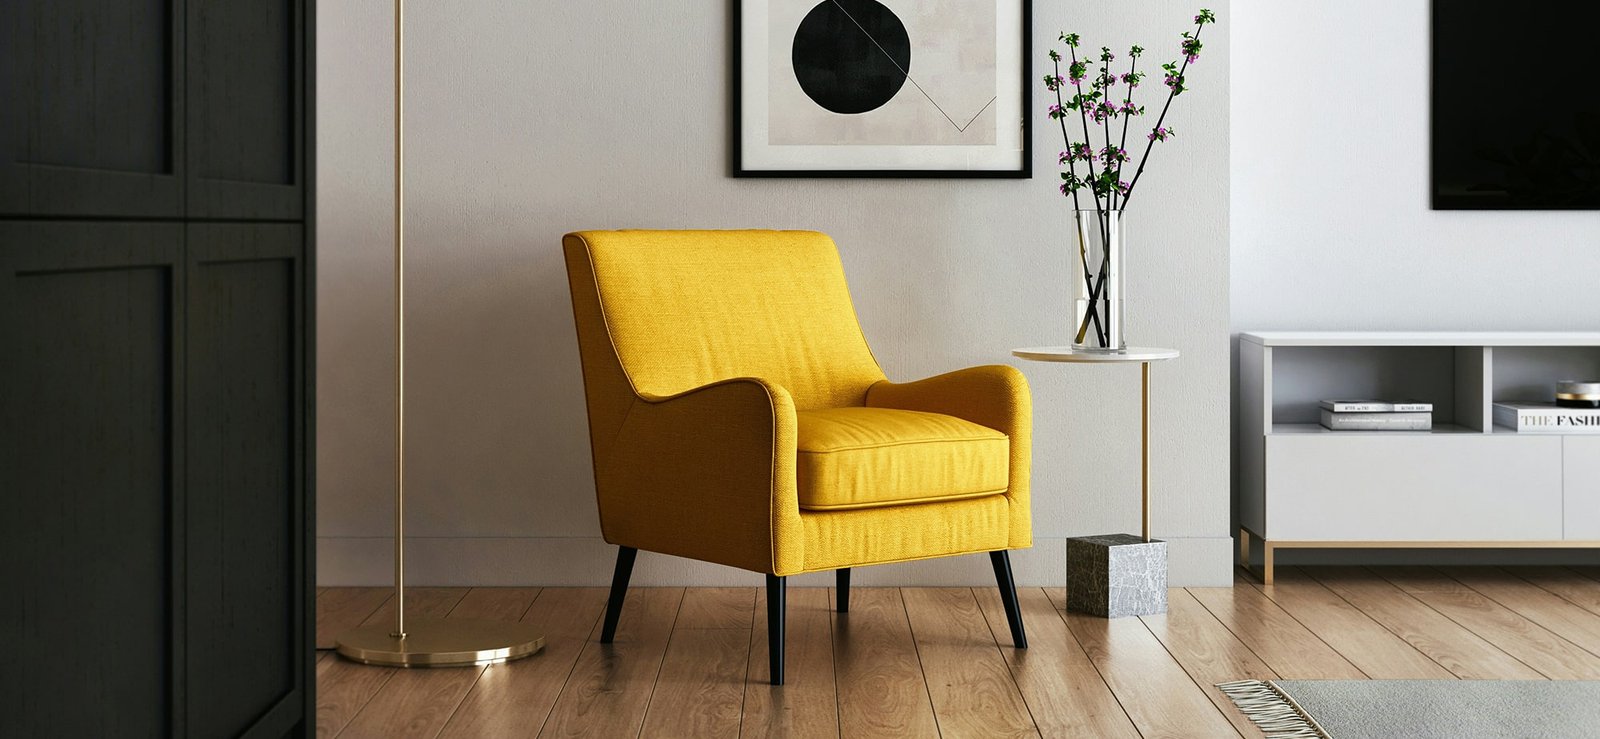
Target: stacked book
<point>1377,415</point>
<point>1546,418</point>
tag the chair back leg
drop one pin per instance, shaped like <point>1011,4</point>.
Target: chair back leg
<point>1008,595</point>
<point>619,591</point>
<point>842,591</point>
<point>775,618</point>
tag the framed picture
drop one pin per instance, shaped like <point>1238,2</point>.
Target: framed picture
<point>881,88</point>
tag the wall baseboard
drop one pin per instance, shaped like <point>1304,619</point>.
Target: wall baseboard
<point>587,561</point>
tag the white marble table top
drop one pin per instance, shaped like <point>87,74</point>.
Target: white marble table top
<point>1068,354</point>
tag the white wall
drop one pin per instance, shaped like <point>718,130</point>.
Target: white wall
<point>1331,226</point>
<point>527,120</point>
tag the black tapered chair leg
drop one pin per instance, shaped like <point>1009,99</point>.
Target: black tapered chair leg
<point>1008,596</point>
<point>619,591</point>
<point>775,610</point>
<point>842,594</point>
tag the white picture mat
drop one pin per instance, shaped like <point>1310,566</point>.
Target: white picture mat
<point>756,153</point>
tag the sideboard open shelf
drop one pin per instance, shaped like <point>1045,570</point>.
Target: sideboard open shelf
<point>1465,484</point>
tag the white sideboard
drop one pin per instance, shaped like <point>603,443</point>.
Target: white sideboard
<point>1466,484</point>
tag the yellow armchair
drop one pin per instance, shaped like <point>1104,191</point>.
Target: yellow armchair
<point>737,416</point>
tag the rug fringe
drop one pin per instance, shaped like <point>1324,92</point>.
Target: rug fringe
<point>1272,709</point>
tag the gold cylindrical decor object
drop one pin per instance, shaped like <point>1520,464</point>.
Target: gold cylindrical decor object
<point>455,642</point>
<point>1575,394</point>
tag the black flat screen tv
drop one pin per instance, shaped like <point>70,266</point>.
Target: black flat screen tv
<point>1516,105</point>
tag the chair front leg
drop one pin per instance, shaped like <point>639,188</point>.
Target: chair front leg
<point>775,617</point>
<point>1008,596</point>
<point>842,589</point>
<point>619,591</point>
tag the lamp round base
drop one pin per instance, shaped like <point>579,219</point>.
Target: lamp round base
<point>456,642</point>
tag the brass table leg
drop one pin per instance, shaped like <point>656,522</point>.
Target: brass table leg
<point>1144,449</point>
<point>1266,555</point>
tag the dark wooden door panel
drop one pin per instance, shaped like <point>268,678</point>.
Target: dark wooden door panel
<point>155,525</point>
<point>91,108</point>
<point>246,73</point>
<point>91,364</point>
<point>245,518</point>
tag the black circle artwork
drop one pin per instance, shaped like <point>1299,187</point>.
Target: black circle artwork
<point>851,56</point>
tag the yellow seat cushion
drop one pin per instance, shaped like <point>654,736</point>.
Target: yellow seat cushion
<point>871,457</point>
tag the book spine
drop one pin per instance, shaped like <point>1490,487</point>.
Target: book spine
<point>1357,407</point>
<point>1377,421</point>
<point>1413,407</point>
<point>1547,421</point>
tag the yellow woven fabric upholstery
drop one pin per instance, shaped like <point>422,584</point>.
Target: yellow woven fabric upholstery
<point>686,308</point>
<point>836,539</point>
<point>995,396</point>
<point>872,457</point>
<point>701,350</point>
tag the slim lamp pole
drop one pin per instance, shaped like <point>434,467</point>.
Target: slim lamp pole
<point>439,643</point>
<point>399,320</point>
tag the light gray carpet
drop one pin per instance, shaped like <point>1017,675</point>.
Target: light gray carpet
<point>1356,709</point>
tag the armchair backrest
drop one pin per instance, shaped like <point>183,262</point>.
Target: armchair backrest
<point>662,312</point>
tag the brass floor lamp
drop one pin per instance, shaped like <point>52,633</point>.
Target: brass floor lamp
<point>422,642</point>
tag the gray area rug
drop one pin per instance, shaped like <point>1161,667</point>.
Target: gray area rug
<point>1358,709</point>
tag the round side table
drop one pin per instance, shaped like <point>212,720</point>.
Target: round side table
<point>1117,574</point>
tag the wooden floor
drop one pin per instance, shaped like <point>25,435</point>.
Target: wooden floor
<point>927,662</point>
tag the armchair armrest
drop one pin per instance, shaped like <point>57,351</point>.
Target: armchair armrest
<point>707,474</point>
<point>995,396</point>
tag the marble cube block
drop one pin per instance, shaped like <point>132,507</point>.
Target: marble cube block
<point>1116,575</point>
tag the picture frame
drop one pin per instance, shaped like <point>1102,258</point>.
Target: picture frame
<point>882,88</point>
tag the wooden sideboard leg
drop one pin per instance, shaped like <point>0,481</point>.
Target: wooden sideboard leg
<point>1266,562</point>
<point>1244,549</point>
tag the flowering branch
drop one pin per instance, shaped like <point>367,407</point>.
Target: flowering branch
<point>1071,183</point>
<point>1110,192</point>
<point>1129,110</point>
<point>1175,81</point>
<point>1085,107</point>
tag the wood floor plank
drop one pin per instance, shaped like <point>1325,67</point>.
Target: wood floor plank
<point>968,681</point>
<point>881,689</point>
<point>1556,614</point>
<point>1159,696</point>
<point>1369,646</point>
<point>700,690</point>
<point>1577,589</point>
<point>610,685</point>
<point>1208,651</point>
<point>1062,688</point>
<point>807,704</point>
<point>420,603</point>
<point>342,609</point>
<point>345,687</point>
<point>418,703</point>
<point>717,608</point>
<point>1590,571</point>
<point>1535,646</point>
<point>515,698</point>
<point>1457,649</point>
<point>1277,638</point>
<point>915,662</point>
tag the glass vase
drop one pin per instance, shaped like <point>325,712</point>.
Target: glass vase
<point>1097,281</point>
